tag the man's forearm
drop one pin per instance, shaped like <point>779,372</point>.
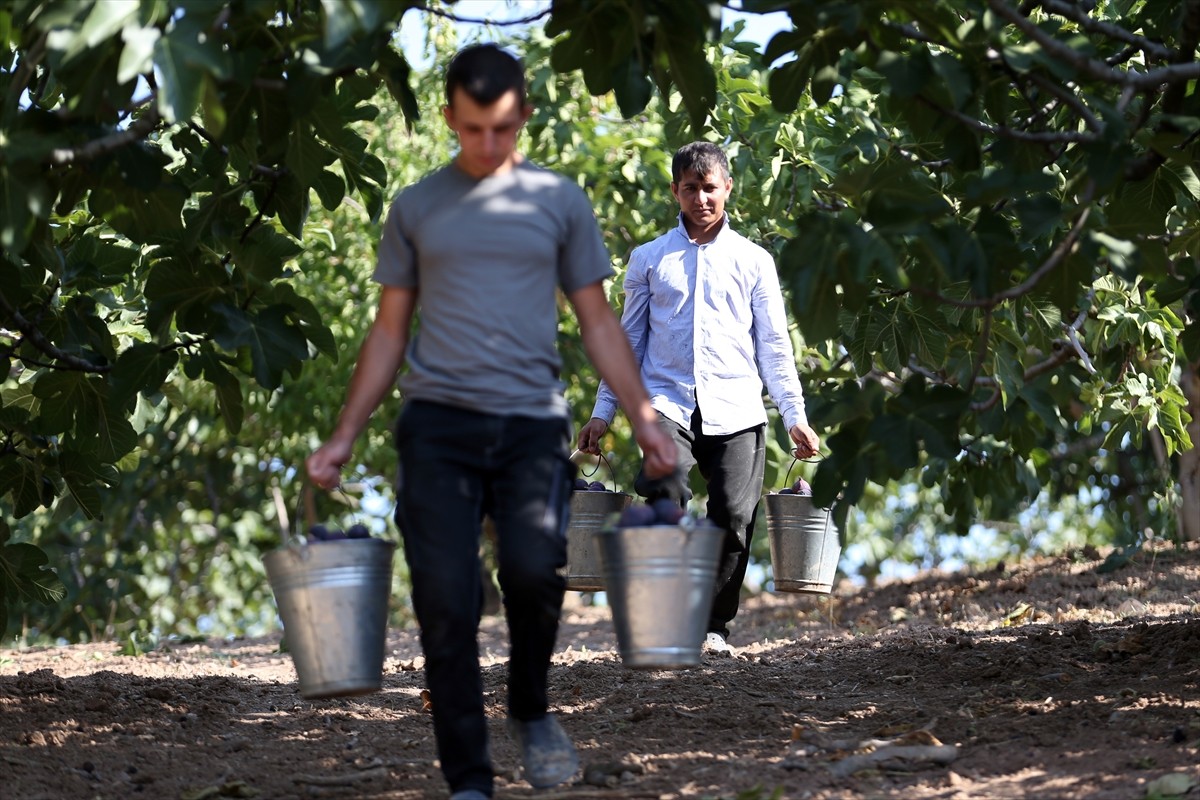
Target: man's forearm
<point>608,348</point>
<point>374,376</point>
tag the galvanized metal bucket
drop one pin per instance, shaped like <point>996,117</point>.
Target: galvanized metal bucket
<point>660,582</point>
<point>590,511</point>
<point>333,599</point>
<point>804,544</point>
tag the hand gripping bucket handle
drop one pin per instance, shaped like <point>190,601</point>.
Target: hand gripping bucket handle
<point>333,600</point>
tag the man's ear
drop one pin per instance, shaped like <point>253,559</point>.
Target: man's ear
<point>448,115</point>
<point>526,113</point>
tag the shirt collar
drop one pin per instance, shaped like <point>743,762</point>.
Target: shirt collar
<point>721,232</point>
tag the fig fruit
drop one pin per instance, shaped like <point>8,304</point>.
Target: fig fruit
<point>637,516</point>
<point>318,533</point>
<point>667,511</point>
<point>358,531</point>
<point>581,484</point>
<point>597,486</point>
<point>801,487</point>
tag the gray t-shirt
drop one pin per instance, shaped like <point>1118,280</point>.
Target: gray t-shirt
<point>486,257</point>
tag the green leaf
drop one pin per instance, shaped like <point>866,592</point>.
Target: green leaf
<point>631,86</point>
<point>330,188</point>
<point>23,565</point>
<point>94,262</point>
<point>276,345</point>
<point>137,55</point>
<point>228,388</point>
<point>19,195</point>
<point>186,57</point>
<point>396,71</point>
<point>345,18</point>
<point>786,86</point>
<point>309,317</point>
<point>290,203</point>
<point>174,285</point>
<point>693,76</point>
<point>306,155</point>
<point>1141,208</point>
<point>142,216</point>
<point>264,253</point>
<point>141,368</point>
<point>23,480</point>
<point>86,497</point>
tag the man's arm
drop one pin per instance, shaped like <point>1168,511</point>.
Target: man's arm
<point>379,359</point>
<point>777,360</point>
<point>635,320</point>
<point>608,348</point>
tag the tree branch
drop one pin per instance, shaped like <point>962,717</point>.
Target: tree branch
<point>35,337</point>
<point>1090,24</point>
<point>1091,67</point>
<point>441,12</point>
<point>1065,95</point>
<point>1053,260</point>
<point>25,71</point>
<point>1065,350</point>
<point>137,130</point>
<point>1036,137</point>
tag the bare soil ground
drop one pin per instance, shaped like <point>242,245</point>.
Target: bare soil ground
<point>1042,679</point>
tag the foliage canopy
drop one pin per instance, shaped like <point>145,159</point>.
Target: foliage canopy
<point>985,215</point>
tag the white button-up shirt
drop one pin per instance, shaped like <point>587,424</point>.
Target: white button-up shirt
<point>708,326</point>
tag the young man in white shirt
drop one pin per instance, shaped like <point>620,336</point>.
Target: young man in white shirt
<point>706,320</point>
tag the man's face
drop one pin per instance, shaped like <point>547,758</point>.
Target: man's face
<point>487,135</point>
<point>702,197</point>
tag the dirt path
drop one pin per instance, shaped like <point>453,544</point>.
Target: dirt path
<point>1047,679</point>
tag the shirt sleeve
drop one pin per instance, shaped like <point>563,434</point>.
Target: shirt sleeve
<point>773,345</point>
<point>396,262</point>
<point>583,259</point>
<point>635,319</point>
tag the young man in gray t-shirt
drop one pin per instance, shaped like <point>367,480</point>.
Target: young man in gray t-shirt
<point>482,246</point>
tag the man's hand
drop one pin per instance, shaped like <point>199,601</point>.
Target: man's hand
<point>590,435</point>
<point>325,464</point>
<point>658,451</point>
<point>806,440</point>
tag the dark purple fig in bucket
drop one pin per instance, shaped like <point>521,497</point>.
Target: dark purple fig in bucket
<point>637,516</point>
<point>581,484</point>
<point>358,531</point>
<point>801,487</point>
<point>786,491</point>
<point>667,511</point>
<point>318,533</point>
<point>597,486</point>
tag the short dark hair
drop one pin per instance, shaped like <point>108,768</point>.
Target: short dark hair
<point>701,158</point>
<point>485,72</point>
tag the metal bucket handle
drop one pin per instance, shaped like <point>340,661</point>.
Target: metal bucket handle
<point>306,513</point>
<point>612,476</point>
<point>788,478</point>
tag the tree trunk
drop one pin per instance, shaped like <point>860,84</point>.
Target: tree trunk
<point>1189,460</point>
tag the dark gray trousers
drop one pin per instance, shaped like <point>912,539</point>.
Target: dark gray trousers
<point>732,468</point>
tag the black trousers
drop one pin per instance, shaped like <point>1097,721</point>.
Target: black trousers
<point>732,468</point>
<point>455,466</point>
